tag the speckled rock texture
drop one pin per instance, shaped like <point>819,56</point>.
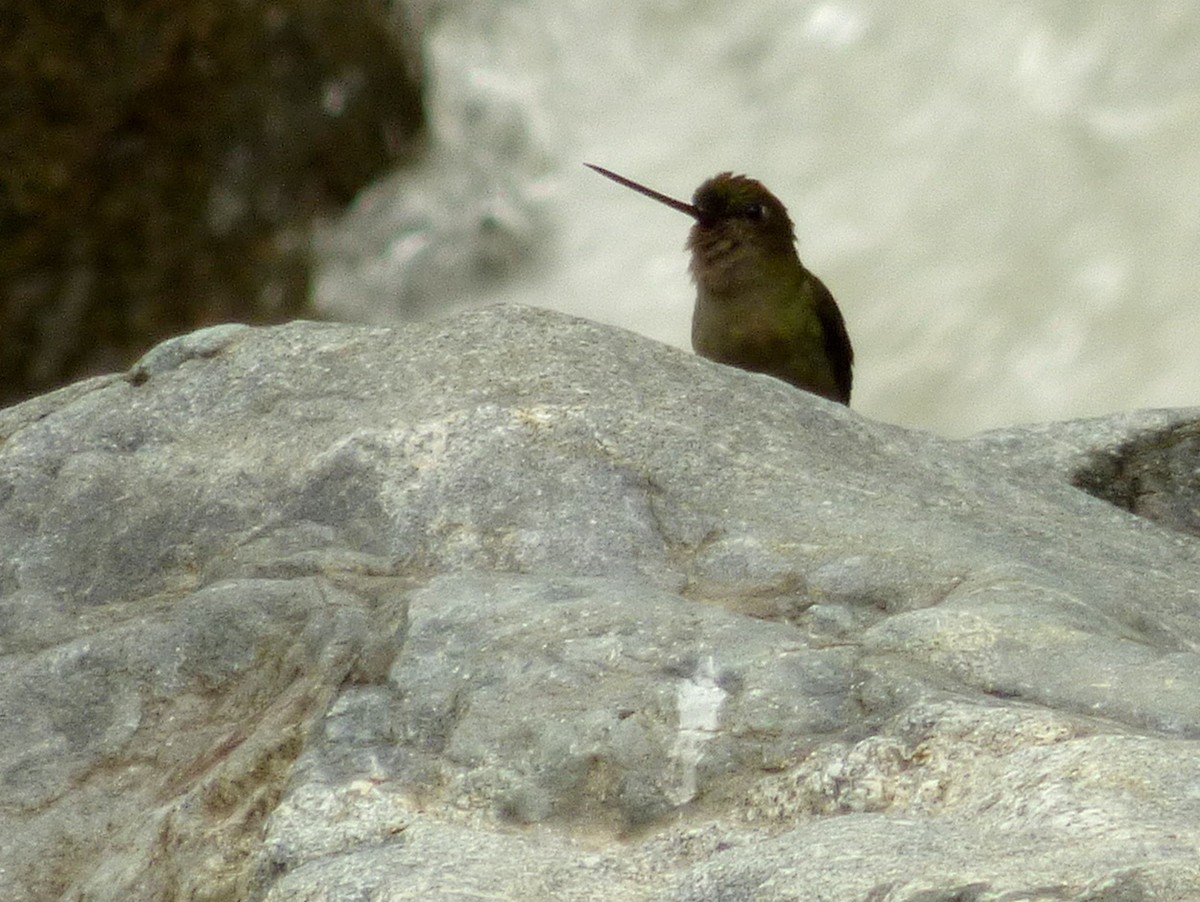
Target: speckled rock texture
<point>514,605</point>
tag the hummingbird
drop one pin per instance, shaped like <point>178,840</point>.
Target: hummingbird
<point>757,306</point>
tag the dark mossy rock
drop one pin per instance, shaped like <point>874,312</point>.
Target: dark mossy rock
<point>162,161</point>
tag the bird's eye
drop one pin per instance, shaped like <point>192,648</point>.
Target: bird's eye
<point>756,212</point>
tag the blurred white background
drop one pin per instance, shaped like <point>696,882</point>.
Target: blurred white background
<point>1004,199</point>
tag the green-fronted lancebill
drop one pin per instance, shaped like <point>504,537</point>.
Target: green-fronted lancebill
<point>757,307</point>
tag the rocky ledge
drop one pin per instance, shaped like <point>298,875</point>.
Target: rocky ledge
<point>514,605</point>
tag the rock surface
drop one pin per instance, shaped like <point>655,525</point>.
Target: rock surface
<point>519,606</point>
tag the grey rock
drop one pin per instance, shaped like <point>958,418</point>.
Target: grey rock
<point>516,605</point>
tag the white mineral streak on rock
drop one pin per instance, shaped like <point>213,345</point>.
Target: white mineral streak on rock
<point>698,699</point>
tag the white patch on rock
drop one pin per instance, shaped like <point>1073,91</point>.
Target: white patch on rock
<point>698,700</point>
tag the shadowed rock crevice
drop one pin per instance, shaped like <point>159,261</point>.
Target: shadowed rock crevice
<point>1156,476</point>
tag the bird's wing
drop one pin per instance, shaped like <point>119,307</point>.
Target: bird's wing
<point>837,340</point>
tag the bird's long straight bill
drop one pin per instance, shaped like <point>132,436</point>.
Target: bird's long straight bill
<point>649,192</point>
